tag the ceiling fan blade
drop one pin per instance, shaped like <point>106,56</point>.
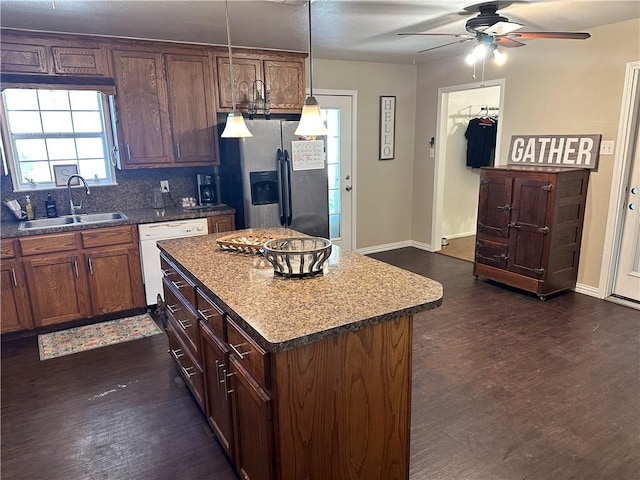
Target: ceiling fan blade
<point>464,40</point>
<point>558,35</point>
<point>508,42</point>
<point>457,35</point>
<point>502,28</point>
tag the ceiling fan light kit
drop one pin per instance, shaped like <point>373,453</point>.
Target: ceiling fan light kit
<point>490,30</point>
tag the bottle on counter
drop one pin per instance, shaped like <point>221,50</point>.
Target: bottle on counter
<point>50,207</point>
<point>29,209</point>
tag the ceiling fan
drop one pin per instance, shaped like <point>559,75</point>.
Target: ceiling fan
<point>489,29</point>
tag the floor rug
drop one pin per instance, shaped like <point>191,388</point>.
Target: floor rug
<point>88,337</point>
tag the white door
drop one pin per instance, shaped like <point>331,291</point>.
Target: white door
<point>338,116</point>
<point>627,278</point>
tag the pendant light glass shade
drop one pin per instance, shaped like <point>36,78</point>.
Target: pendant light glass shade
<point>311,123</point>
<point>235,127</point>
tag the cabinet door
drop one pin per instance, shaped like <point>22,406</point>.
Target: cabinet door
<point>252,426</point>
<point>494,203</point>
<point>23,58</point>
<point>16,313</point>
<point>285,82</point>
<point>191,108</point>
<point>57,289</point>
<point>245,72</point>
<point>528,226</point>
<point>221,223</point>
<point>141,102</point>
<point>218,406</point>
<point>115,280</point>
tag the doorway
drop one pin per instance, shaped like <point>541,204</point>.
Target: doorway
<point>620,281</point>
<point>338,114</point>
<point>456,186</point>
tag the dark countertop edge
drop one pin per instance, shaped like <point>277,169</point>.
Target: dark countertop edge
<point>306,339</point>
<point>134,217</point>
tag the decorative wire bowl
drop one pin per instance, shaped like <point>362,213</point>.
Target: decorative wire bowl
<point>297,256</point>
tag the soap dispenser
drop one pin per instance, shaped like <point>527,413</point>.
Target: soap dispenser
<point>50,207</point>
<point>29,209</point>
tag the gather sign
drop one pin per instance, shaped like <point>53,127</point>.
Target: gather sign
<point>573,151</point>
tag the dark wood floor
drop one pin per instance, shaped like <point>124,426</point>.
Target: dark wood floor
<point>505,387</point>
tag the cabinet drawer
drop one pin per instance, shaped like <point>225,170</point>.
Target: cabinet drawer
<point>211,314</point>
<point>7,249</point>
<point>102,237</point>
<point>61,242</point>
<point>177,280</point>
<point>189,369</point>
<point>491,253</point>
<point>253,358</point>
<point>184,321</point>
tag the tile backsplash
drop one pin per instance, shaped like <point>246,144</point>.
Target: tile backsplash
<point>134,190</point>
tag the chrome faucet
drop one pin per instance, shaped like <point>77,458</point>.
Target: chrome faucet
<point>72,207</point>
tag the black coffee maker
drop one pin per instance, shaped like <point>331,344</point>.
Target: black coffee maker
<point>207,193</point>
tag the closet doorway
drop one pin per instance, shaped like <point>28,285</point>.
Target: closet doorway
<point>455,189</point>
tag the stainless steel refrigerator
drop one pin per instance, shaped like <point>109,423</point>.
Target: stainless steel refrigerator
<point>258,178</point>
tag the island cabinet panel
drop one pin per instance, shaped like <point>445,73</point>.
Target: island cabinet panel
<point>141,102</point>
<point>192,108</point>
<point>187,365</point>
<point>221,223</point>
<point>252,418</point>
<point>356,404</point>
<point>184,319</point>
<point>215,360</point>
<point>530,224</point>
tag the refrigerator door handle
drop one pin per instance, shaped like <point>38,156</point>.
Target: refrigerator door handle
<point>287,164</point>
<point>281,195</point>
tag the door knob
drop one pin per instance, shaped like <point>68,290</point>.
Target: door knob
<point>348,188</point>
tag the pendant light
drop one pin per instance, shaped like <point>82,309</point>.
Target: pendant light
<point>235,127</point>
<point>311,123</point>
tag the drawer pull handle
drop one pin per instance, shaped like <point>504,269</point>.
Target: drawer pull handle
<point>177,353</point>
<point>187,371</point>
<point>173,308</point>
<point>90,266</point>
<point>166,273</point>
<point>179,284</point>
<point>218,367</point>
<point>13,277</point>
<point>238,352</point>
<point>184,325</point>
<point>204,313</point>
<point>227,375</point>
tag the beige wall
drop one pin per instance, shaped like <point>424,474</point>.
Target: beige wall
<point>552,86</point>
<point>383,188</point>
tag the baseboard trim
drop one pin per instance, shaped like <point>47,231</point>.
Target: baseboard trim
<point>459,235</point>
<point>384,247</point>
<point>422,246</point>
<point>587,290</point>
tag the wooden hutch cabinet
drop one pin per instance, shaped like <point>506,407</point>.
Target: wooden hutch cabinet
<point>530,227</point>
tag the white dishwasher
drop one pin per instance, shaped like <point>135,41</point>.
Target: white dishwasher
<point>149,234</point>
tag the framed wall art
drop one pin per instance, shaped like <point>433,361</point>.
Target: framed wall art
<point>387,127</point>
<point>62,174</point>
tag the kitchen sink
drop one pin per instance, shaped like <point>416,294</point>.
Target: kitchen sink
<point>72,220</point>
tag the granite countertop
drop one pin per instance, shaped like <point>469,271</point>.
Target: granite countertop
<point>134,217</point>
<point>279,313</point>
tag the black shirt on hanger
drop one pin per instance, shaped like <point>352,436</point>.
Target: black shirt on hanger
<point>481,142</point>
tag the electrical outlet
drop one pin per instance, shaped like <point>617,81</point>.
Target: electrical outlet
<point>164,186</point>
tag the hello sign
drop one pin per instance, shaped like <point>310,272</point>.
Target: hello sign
<point>571,151</point>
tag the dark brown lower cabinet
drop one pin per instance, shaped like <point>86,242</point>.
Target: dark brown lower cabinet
<point>530,227</point>
<point>215,357</point>
<point>252,425</point>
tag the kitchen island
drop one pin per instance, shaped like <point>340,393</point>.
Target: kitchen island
<point>299,378</point>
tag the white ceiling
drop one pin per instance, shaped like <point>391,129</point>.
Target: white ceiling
<point>342,29</point>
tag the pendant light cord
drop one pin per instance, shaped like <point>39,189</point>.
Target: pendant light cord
<point>233,90</point>
<point>310,56</point>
